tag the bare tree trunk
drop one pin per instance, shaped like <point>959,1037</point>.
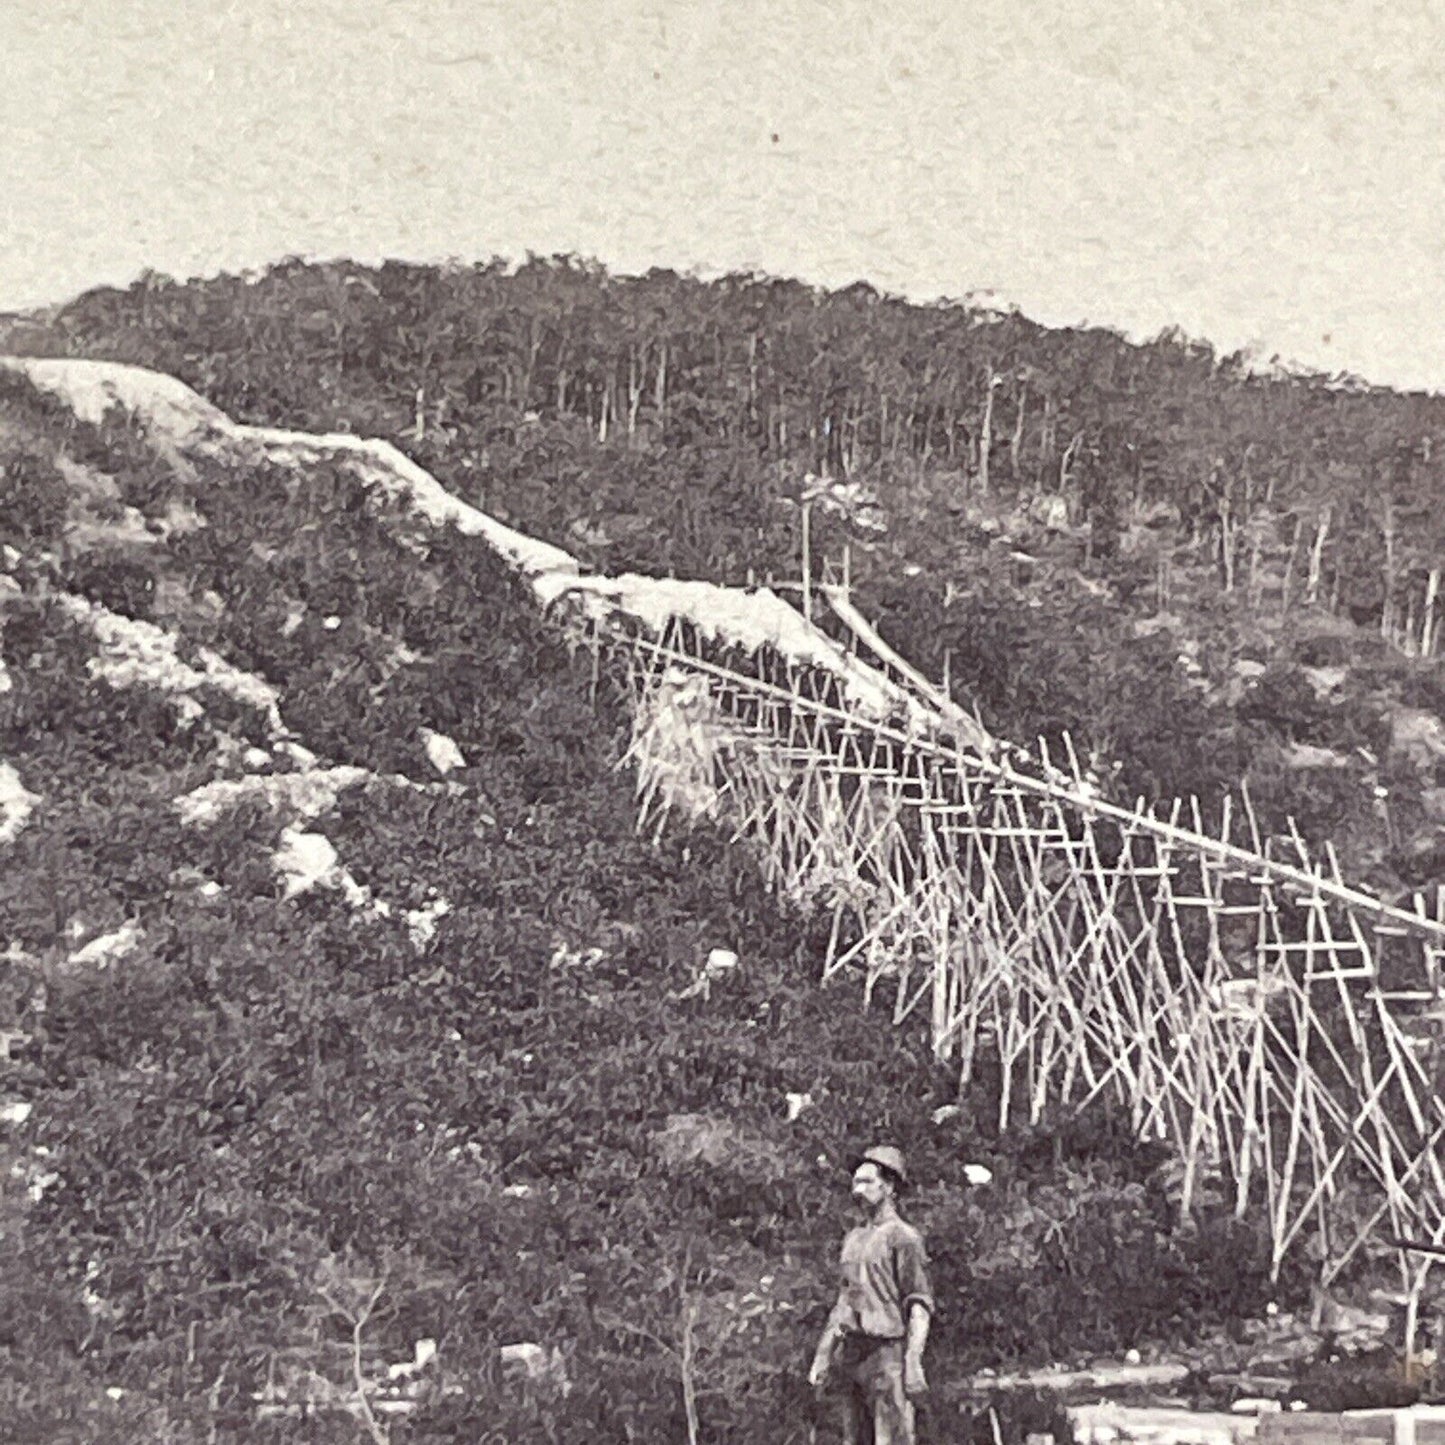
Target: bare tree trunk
<point>605,415</point>
<point>985,439</point>
<point>1067,460</point>
<point>1299,523</point>
<point>659,393</point>
<point>1227,528</point>
<point>534,348</point>
<point>634,390</point>
<point>1427,620</point>
<point>1317,556</point>
<point>1016,441</point>
<point>1387,607</point>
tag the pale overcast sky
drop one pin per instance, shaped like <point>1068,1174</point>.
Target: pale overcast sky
<point>1265,172</point>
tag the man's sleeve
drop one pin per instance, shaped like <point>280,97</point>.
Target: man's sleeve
<point>910,1260</point>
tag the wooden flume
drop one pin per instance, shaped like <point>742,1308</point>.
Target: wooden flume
<point>1277,1026</point>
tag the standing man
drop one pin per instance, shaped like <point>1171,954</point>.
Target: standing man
<point>877,1331</point>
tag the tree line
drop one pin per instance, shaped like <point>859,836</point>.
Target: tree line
<point>1308,488</point>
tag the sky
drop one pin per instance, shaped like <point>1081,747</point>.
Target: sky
<point>1263,174</point>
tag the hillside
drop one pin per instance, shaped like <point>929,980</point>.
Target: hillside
<point>1202,573</point>
<point>345,1009</point>
<point>335,966</point>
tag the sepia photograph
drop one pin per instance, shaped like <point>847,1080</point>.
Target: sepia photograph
<point>722,722</point>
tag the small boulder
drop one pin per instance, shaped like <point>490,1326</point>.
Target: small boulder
<point>1303,756</point>
<point>797,1104</point>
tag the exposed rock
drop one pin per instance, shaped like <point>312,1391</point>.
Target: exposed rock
<point>136,653</point>
<point>1301,756</point>
<point>1326,681</point>
<point>1418,734</point>
<point>798,1104</point>
<point>103,951</point>
<point>1160,622</point>
<point>305,860</point>
<point>421,923</point>
<point>444,755</point>
<point>17,803</point>
<point>303,795</point>
<point>707,1139</point>
<point>1050,510</point>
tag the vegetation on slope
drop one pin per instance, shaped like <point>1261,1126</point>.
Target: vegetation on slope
<point>287,1137</point>
<point>1150,547</point>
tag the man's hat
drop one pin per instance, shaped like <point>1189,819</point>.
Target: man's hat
<point>885,1156</point>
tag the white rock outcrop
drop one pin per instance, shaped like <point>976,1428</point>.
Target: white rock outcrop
<point>17,803</point>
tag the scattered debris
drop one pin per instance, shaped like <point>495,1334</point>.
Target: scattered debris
<point>1100,1377</point>
<point>1247,998</point>
<point>565,956</point>
<point>529,1361</point>
<point>15,1111</point>
<point>11,1039</point>
<point>1108,1423</point>
<point>721,963</point>
<point>977,1173</point>
<point>946,1112</point>
<point>426,1351</point>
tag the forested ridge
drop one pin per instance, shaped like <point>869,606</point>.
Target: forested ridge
<point>1156,549</point>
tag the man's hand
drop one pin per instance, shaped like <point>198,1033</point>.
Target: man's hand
<point>818,1371</point>
<point>915,1382</point>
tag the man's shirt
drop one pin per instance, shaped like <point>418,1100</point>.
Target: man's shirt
<point>885,1270</point>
